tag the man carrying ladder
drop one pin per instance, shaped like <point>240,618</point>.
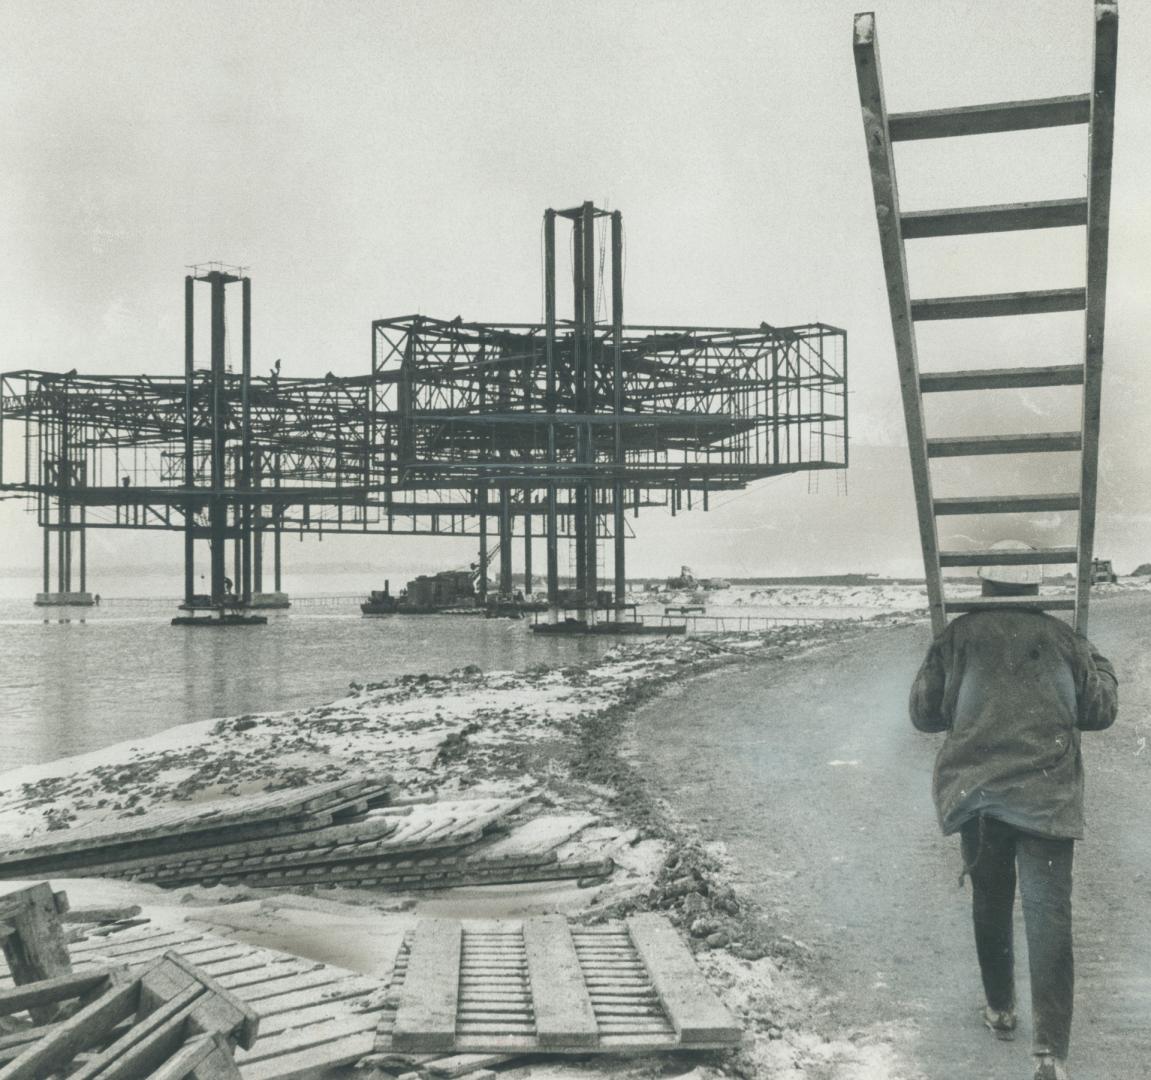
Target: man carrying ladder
<point>1012,686</point>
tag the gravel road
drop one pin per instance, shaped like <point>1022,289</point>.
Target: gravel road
<point>811,774</point>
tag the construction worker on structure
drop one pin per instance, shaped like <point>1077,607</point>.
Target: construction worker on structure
<point>1013,688</point>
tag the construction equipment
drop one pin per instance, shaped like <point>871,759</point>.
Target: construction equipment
<point>1096,110</point>
<point>1103,573</point>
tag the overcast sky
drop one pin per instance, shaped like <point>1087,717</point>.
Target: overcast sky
<point>373,159</point>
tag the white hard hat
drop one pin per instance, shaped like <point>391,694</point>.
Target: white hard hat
<point>1027,574</point>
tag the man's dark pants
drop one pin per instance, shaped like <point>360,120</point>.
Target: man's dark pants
<point>991,852</point>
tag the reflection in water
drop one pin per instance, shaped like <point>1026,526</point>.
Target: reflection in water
<point>71,684</point>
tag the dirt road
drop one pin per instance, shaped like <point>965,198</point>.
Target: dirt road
<point>812,775</point>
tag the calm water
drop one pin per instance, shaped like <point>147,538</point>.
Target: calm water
<point>79,679</point>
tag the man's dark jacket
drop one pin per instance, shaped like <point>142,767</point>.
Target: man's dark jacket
<point>1013,690</point>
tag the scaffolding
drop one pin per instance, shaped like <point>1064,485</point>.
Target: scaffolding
<point>500,431</point>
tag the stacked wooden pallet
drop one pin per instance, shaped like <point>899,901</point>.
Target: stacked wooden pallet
<point>195,826</point>
<point>414,846</point>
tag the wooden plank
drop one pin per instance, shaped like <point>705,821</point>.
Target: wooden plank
<point>1001,603</point>
<point>1007,504</point>
<point>425,1018</point>
<point>535,837</point>
<point>206,1058</point>
<point>316,1035</point>
<point>239,811</point>
<point>124,952</point>
<point>371,874</point>
<point>461,1064</point>
<point>1001,378</point>
<point>315,1013</point>
<point>311,1063</point>
<point>1041,443</point>
<point>135,933</point>
<point>995,305</point>
<point>274,972</point>
<point>35,949</point>
<point>1003,217</point>
<point>346,990</point>
<point>263,993</point>
<point>886,196</point>
<point>101,914</point>
<point>563,1010</point>
<point>997,557</point>
<point>692,1007</point>
<point>49,991</point>
<point>1098,229</point>
<point>990,118</point>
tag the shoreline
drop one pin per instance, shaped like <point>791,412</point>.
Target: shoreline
<point>432,733</point>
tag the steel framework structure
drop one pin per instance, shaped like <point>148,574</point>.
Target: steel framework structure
<point>551,430</point>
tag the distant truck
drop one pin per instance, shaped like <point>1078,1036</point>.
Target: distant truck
<point>1102,573</point>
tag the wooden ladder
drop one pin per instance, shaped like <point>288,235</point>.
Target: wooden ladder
<point>882,129</point>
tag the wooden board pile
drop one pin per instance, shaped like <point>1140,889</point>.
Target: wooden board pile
<point>309,1017</point>
<point>461,999</point>
<point>167,1020</point>
<point>192,826</point>
<point>312,1017</point>
<point>331,834</point>
<point>170,1021</point>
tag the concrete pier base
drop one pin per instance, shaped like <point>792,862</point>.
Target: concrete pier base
<point>65,600</point>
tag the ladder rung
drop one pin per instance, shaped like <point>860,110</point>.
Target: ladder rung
<point>1009,557</point>
<point>998,603</point>
<point>1007,504</point>
<point>992,304</point>
<point>1045,443</point>
<point>1050,214</point>
<point>1001,378</point>
<point>983,119</point>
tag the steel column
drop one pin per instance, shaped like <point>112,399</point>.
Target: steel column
<point>527,544</point>
<point>591,573</point>
<point>505,523</point>
<point>218,507</point>
<point>552,525</point>
<point>579,343</point>
<point>83,552</point>
<point>244,582</point>
<point>482,504</point>
<point>64,519</point>
<point>47,550</point>
<point>617,402</point>
<point>189,440</point>
<point>257,524</point>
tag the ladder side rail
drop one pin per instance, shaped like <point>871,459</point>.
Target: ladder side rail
<point>882,167</point>
<point>1101,140</point>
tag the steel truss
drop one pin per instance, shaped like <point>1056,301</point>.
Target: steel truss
<point>526,430</point>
